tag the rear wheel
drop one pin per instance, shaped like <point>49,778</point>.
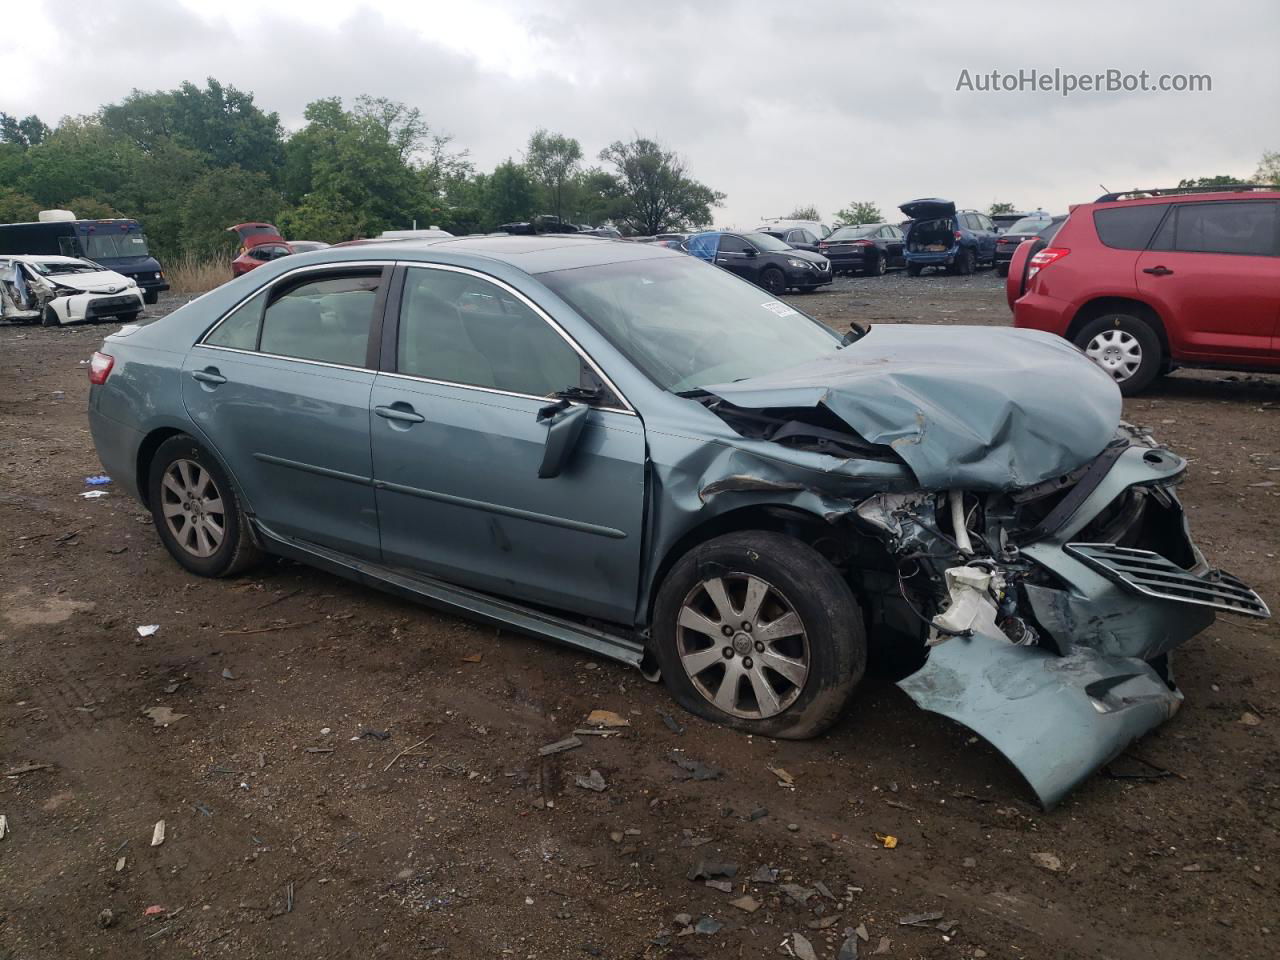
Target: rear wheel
<point>196,511</point>
<point>1125,347</point>
<point>758,631</point>
<point>877,267</point>
<point>965,263</point>
<point>771,279</point>
<point>129,317</point>
<point>1002,269</point>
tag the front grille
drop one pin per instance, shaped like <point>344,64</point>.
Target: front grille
<point>1151,574</point>
<point>110,304</point>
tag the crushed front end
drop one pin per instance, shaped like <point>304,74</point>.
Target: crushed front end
<point>1050,612</point>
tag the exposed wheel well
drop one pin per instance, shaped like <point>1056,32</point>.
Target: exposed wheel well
<point>146,451</point>
<point>1104,305</point>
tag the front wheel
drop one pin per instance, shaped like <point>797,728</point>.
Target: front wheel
<point>49,317</point>
<point>150,296</point>
<point>757,630</point>
<point>1125,347</point>
<point>196,510</point>
<point>773,281</point>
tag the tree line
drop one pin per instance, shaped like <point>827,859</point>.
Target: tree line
<point>192,161</point>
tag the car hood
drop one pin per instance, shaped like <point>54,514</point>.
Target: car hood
<point>978,408</point>
<point>928,209</point>
<point>100,281</point>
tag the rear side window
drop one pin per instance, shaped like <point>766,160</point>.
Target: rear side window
<point>1240,227</point>
<point>325,319</point>
<point>239,330</point>
<point>1128,228</point>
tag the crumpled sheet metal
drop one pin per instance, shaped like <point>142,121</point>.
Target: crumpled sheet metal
<point>1056,719</point>
<point>977,408</point>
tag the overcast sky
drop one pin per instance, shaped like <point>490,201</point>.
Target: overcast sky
<point>773,103</point>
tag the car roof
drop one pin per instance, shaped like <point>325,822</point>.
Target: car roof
<point>531,253</point>
<point>1189,196</point>
<point>41,258</point>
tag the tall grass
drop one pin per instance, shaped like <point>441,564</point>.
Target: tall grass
<point>191,273</point>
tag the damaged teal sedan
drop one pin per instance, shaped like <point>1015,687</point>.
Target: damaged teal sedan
<point>618,447</point>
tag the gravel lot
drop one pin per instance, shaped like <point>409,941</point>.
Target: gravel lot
<point>353,775</point>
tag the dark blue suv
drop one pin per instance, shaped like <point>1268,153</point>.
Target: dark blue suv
<point>941,236</point>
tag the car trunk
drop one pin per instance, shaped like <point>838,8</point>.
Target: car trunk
<point>931,236</point>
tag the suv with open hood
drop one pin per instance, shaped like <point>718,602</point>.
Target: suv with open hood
<point>939,235</point>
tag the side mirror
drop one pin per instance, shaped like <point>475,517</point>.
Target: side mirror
<point>564,422</point>
<point>752,252</point>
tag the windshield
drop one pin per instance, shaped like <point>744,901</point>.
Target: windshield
<point>1029,225</point>
<point>98,246</point>
<point>852,233</point>
<point>686,324</point>
<point>51,268</point>
<point>767,244</point>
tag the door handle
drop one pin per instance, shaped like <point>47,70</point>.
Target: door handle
<point>208,375</point>
<point>401,412</point>
<point>1157,271</point>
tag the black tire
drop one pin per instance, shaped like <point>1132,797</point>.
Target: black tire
<point>877,267</point>
<point>835,642</point>
<point>1120,325</point>
<point>236,551</point>
<point>1002,269</point>
<point>48,318</point>
<point>150,296</point>
<point>913,270</point>
<point>773,280</point>
<point>128,317</point>
<point>965,263</point>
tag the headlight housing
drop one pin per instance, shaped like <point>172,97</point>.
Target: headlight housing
<point>800,264</point>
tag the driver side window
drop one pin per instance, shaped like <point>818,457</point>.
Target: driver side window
<point>458,328</point>
<point>732,244</point>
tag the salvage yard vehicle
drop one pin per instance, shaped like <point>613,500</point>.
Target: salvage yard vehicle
<point>960,241</point>
<point>870,248</point>
<point>615,446</point>
<point>763,259</point>
<point>118,245</point>
<point>815,227</point>
<point>798,237</point>
<point>1028,228</point>
<point>58,290</point>
<point>1151,280</point>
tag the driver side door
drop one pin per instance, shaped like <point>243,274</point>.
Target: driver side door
<point>737,256</point>
<point>459,428</point>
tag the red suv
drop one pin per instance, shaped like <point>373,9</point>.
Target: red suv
<point>1148,281</point>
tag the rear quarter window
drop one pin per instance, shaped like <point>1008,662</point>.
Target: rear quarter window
<point>1247,227</point>
<point>1128,228</point>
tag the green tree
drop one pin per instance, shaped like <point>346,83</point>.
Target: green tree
<point>221,197</point>
<point>28,132</point>
<point>509,194</point>
<point>804,213</point>
<point>91,208</point>
<point>16,207</point>
<point>998,207</point>
<point>553,159</point>
<point>80,159</point>
<point>1221,180</point>
<point>655,190</point>
<point>860,211</point>
<point>1268,168</point>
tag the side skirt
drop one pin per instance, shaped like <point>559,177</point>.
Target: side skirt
<point>445,596</point>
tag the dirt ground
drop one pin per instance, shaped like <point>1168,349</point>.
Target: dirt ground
<point>356,776</point>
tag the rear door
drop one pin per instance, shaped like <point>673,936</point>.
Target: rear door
<point>280,389</point>
<point>1213,273</point>
<point>891,239</point>
<point>469,366</point>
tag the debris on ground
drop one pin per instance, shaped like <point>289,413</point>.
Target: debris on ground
<point>822,923</point>
<point>27,768</point>
<point>888,839</point>
<point>106,919</point>
<point>793,827</point>
<point>917,919</point>
<point>157,834</point>
<point>707,926</point>
<point>860,931</point>
<point>707,869</point>
<point>1047,861</point>
<point>1250,719</point>
<point>154,910</point>
<point>163,716</point>
<point>473,658</point>
<point>849,949</point>
<point>799,894</point>
<point>560,746</point>
<point>148,630</point>
<point>724,886</point>
<point>784,779</point>
<point>375,735</point>
<point>606,718</point>
<point>748,903</point>
<point>694,769</point>
<point>765,875</point>
<point>4,826</point>
<point>884,946</point>
<point>672,724</point>
<point>802,948</point>
<point>120,864</point>
<point>592,781</point>
<point>97,480</point>
<point>228,674</point>
<point>93,494</point>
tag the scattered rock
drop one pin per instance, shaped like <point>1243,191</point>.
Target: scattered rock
<point>592,781</point>
<point>797,893</point>
<point>862,934</point>
<point>765,875</point>
<point>106,919</point>
<point>759,813</point>
<point>163,716</point>
<point>682,919</point>
<point>748,903</point>
<point>707,926</point>
<point>884,946</point>
<point>560,746</point>
<point>227,674</point>
<point>793,827</point>
<point>848,950</point>
<point>969,863</point>
<point>802,948</point>
<point>823,889</point>
<point>823,922</point>
<point>1250,719</point>
<point>606,718</point>
<point>157,834</point>
<point>915,919</point>
<point>694,769</point>
<point>711,869</point>
<point>784,779</point>
<point>724,886</point>
<point>672,725</point>
<point>1047,861</point>
<point>616,836</point>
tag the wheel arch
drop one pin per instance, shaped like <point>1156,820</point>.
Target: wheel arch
<point>152,443</point>
<point>1100,306</point>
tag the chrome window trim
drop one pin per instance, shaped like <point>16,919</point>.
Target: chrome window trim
<point>309,268</point>
<point>492,390</point>
<point>546,317</point>
<point>280,356</point>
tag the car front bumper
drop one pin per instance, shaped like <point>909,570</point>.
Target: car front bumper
<point>805,277</point>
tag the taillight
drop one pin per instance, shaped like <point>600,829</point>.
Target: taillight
<point>100,365</point>
<point>864,243</point>
<point>959,235</point>
<point>1044,258</point>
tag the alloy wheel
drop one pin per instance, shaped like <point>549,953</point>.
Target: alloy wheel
<point>1116,351</point>
<point>774,282</point>
<point>192,506</point>
<point>743,645</point>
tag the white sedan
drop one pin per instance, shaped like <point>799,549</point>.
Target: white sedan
<point>57,290</point>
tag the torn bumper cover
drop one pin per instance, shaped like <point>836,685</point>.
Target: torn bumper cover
<point>1087,671</point>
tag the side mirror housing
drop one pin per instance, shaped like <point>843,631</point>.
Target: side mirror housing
<point>564,422</point>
